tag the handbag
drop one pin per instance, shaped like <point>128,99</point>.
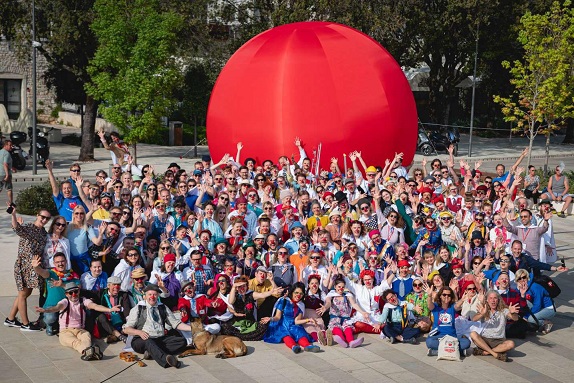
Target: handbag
<point>448,349</point>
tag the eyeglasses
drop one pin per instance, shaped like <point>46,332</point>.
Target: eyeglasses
<point>487,182</point>
<point>182,186</point>
<point>365,208</point>
<point>116,213</point>
<point>59,224</point>
<point>133,255</point>
<point>224,198</point>
<point>429,182</point>
<point>160,207</point>
<point>314,257</point>
<point>471,289</point>
<point>75,170</point>
<point>251,195</point>
<point>260,179</point>
<point>139,279</point>
<point>480,192</point>
<point>228,266</point>
<point>282,253</point>
<point>521,278</point>
<point>476,263</point>
<point>445,218</point>
<point>430,222</point>
<point>151,189</point>
<point>479,220</point>
<point>79,213</point>
<point>165,247</point>
<point>118,187</point>
<point>418,174</point>
<point>417,285</point>
<point>444,172</point>
<point>393,216</point>
<point>126,195</point>
<point>43,217</point>
<point>524,216</point>
<point>73,292</point>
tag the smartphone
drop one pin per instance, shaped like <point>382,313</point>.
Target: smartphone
<point>10,208</point>
<point>563,261</point>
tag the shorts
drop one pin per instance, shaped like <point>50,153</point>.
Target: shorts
<point>6,184</point>
<point>493,342</point>
<point>564,196</point>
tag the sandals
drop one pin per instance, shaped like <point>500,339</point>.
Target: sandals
<point>478,352</point>
<point>502,357</point>
<point>329,335</point>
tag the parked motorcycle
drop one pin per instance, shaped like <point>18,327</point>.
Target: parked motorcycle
<point>437,139</point>
<point>42,145</point>
<point>18,155</point>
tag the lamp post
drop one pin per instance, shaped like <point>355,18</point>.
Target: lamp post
<point>35,44</point>
<point>473,94</point>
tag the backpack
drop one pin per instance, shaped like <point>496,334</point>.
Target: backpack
<point>548,284</point>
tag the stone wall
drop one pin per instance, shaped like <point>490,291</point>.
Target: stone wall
<point>12,67</point>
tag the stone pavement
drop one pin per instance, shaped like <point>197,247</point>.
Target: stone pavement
<point>35,357</point>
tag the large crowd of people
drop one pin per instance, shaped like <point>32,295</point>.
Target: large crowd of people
<point>275,252</point>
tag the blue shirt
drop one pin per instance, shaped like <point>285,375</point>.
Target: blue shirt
<point>444,320</point>
<point>66,206</point>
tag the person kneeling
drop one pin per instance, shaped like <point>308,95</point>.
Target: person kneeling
<point>396,316</point>
<point>493,313</point>
<point>72,321</point>
<point>193,306</point>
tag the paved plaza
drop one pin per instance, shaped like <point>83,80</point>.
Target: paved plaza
<point>35,357</point>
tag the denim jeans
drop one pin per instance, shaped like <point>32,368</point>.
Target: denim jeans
<point>545,313</point>
<point>51,321</point>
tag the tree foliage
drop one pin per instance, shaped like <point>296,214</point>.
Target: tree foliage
<point>135,69</point>
<point>543,88</point>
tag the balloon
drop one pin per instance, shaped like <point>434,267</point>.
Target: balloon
<point>324,82</point>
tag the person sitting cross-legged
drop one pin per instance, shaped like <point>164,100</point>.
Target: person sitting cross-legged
<point>110,325</point>
<point>72,321</point>
<point>395,315</point>
<point>146,323</point>
<point>493,314</point>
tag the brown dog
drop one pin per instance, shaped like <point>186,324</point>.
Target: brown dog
<point>223,346</point>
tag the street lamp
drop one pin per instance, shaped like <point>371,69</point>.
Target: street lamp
<point>35,45</point>
<point>473,93</point>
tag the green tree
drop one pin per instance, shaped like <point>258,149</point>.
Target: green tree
<point>63,28</point>
<point>543,90</point>
<point>135,69</point>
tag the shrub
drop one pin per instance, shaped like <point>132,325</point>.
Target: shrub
<point>73,139</point>
<point>34,198</point>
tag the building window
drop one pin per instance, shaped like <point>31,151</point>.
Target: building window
<point>11,97</point>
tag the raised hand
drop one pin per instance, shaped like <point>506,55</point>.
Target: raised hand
<point>514,309</point>
<point>297,142</point>
<point>36,261</point>
<point>239,145</point>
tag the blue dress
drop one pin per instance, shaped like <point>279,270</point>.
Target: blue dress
<point>286,325</point>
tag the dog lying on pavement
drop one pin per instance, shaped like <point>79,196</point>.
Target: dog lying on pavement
<point>223,346</point>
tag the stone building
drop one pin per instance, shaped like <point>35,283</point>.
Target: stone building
<point>16,88</point>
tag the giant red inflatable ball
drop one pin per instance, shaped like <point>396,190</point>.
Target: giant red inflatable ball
<point>324,82</point>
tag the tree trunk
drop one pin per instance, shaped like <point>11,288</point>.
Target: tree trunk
<point>89,130</point>
<point>547,150</point>
<point>569,138</point>
<point>531,137</point>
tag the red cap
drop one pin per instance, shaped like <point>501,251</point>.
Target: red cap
<point>169,258</point>
<point>404,262</point>
<point>426,189</point>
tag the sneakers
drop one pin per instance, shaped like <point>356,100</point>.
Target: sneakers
<point>123,338</point>
<point>51,331</point>
<point>12,323</point>
<point>296,349</point>
<point>431,352</point>
<point>561,215</point>
<point>340,341</point>
<point>392,340</point>
<point>322,338</point>
<point>88,354</point>
<point>312,348</point>
<point>98,355</point>
<point>329,335</point>
<point>30,327</point>
<point>356,343</point>
<point>547,327</point>
<point>410,341</point>
<point>146,355</point>
<point>111,339</point>
<point>172,361</point>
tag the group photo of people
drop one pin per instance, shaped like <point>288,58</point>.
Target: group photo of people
<point>283,251</point>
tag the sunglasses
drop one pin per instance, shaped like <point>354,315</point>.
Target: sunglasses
<point>59,224</point>
<point>139,279</point>
<point>445,219</point>
<point>118,187</point>
<point>476,263</point>
<point>133,255</point>
<point>222,281</point>
<point>73,292</point>
<point>282,252</point>
<point>479,220</point>
<point>315,257</point>
<point>251,195</point>
<point>75,170</point>
<point>417,285</point>
<point>151,189</point>
<point>505,261</point>
<point>480,192</point>
<point>521,278</point>
<point>418,174</point>
<point>445,295</point>
<point>79,213</point>
<point>365,208</point>
<point>165,247</point>
<point>44,217</point>
<point>471,289</point>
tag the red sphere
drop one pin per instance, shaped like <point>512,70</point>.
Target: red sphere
<point>323,82</point>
